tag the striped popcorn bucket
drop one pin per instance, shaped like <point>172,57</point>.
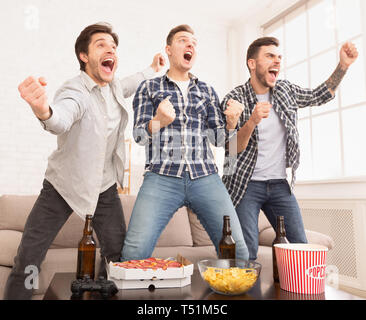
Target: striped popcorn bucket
<point>301,267</point>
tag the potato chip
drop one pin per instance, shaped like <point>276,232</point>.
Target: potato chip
<point>230,281</point>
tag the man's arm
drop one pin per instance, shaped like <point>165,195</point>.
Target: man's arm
<point>233,109</point>
<point>131,83</point>
<point>348,55</point>
<point>261,111</point>
<point>59,116</point>
<point>326,91</point>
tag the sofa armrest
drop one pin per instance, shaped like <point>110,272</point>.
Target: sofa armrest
<point>267,236</point>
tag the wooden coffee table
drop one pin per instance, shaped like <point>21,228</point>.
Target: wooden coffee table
<point>265,289</point>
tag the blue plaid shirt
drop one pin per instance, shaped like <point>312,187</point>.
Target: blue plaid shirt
<point>184,144</point>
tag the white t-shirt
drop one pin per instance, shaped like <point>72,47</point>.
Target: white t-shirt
<point>272,137</point>
<point>183,86</point>
<point>114,114</point>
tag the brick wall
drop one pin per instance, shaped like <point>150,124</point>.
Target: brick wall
<point>39,40</point>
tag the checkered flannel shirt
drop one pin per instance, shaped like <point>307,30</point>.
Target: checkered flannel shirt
<point>287,99</point>
<point>185,142</point>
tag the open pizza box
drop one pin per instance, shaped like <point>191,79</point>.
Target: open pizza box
<point>147,278</point>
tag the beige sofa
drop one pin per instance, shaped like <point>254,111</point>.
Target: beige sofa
<point>184,234</point>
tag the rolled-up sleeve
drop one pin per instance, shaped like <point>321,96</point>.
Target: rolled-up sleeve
<point>312,97</point>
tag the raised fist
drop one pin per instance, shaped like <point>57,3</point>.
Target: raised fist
<point>34,93</point>
<point>165,113</point>
<point>260,112</point>
<point>348,54</point>
<point>233,112</point>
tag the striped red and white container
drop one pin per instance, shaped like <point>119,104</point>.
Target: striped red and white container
<point>301,267</point>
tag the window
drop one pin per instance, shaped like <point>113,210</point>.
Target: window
<point>332,136</point>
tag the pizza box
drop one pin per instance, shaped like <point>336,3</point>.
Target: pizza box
<point>159,278</point>
<point>151,284</point>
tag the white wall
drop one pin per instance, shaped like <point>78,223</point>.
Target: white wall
<point>39,40</point>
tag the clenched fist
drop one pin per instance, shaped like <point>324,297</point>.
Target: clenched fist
<point>348,55</point>
<point>233,112</point>
<point>260,112</point>
<point>165,115</point>
<point>158,62</point>
<point>34,93</point>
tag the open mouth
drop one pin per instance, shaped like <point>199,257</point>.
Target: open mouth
<point>274,73</point>
<point>188,56</point>
<point>108,65</point>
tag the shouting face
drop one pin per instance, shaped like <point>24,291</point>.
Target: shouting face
<point>266,67</point>
<point>182,51</point>
<point>101,60</point>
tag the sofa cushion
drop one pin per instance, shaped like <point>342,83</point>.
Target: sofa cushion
<point>199,235</point>
<point>177,231</point>
<point>267,236</point>
<point>71,233</point>
<point>14,211</point>
<point>4,274</point>
<point>9,243</point>
<point>263,222</point>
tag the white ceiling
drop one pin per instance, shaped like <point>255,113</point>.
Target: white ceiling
<point>221,11</point>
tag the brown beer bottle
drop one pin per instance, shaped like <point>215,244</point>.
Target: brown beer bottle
<point>227,243</point>
<point>86,252</point>
<point>280,238</point>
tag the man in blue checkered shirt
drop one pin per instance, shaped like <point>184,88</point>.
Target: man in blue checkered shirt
<point>268,140</point>
<point>176,116</point>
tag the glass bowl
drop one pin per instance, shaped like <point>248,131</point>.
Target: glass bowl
<point>229,276</point>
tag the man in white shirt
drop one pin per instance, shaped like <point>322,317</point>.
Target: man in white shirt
<point>89,118</point>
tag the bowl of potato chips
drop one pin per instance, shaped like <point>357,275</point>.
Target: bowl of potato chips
<point>230,276</point>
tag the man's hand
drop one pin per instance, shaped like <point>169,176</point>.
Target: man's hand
<point>165,115</point>
<point>158,62</point>
<point>233,112</point>
<point>261,111</point>
<point>348,55</point>
<point>34,93</point>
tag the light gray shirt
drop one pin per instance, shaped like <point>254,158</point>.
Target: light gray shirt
<point>80,121</point>
<point>272,137</point>
<point>114,114</point>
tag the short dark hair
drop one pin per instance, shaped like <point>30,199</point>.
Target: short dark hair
<point>83,40</point>
<point>180,28</point>
<point>254,48</point>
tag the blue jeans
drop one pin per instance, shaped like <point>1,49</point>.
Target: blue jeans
<point>275,199</point>
<point>161,196</point>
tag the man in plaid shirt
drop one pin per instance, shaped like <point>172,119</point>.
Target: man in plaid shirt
<point>175,118</point>
<point>268,140</point>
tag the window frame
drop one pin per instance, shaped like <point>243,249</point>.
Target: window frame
<point>280,22</point>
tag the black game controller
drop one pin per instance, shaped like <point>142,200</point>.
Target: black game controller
<point>106,288</point>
